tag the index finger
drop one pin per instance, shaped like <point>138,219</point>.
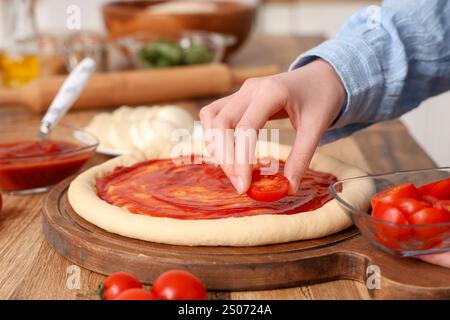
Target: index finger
<point>247,129</point>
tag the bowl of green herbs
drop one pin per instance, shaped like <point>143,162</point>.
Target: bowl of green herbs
<point>192,47</point>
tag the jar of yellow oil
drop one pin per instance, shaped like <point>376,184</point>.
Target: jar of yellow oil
<point>18,68</point>
<point>19,59</point>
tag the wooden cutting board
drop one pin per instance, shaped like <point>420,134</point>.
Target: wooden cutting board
<point>345,255</point>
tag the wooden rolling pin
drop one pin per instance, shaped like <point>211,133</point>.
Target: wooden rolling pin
<point>137,87</point>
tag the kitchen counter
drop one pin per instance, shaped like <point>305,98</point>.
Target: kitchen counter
<point>31,269</point>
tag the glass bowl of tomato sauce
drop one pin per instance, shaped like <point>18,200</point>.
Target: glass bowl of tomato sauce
<point>29,165</point>
<point>409,213</point>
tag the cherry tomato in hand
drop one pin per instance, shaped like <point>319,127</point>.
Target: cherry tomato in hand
<point>268,188</point>
<point>391,195</point>
<point>409,206</point>
<point>117,283</point>
<point>178,285</point>
<point>136,294</point>
<point>439,189</point>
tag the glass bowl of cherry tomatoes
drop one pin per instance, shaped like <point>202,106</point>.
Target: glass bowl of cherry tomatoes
<point>409,213</point>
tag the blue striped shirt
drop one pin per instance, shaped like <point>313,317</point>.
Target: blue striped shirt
<point>390,58</point>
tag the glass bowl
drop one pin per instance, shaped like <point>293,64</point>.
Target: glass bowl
<point>397,239</point>
<point>195,47</point>
<point>36,171</point>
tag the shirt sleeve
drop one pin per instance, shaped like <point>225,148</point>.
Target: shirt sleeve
<point>390,58</point>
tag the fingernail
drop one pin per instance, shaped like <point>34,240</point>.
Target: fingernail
<point>294,181</point>
<point>238,183</point>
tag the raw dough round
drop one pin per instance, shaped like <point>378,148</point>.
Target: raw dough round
<point>239,231</point>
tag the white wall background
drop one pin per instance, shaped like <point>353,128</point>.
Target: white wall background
<point>429,124</point>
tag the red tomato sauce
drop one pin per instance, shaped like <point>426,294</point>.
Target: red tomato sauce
<point>162,188</point>
<point>28,165</point>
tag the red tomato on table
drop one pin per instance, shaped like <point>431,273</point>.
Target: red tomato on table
<point>439,189</point>
<point>178,285</point>
<point>391,195</point>
<point>268,188</point>
<point>117,283</point>
<point>136,294</point>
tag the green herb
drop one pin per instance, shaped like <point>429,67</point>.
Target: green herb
<point>161,54</point>
<point>197,53</point>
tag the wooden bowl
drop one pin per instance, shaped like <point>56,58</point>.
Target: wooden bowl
<point>229,17</point>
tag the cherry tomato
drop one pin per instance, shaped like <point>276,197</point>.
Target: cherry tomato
<point>1,202</point>
<point>117,283</point>
<point>136,294</point>
<point>268,188</point>
<point>430,199</point>
<point>391,235</point>
<point>439,189</point>
<point>389,212</point>
<point>430,235</point>
<point>408,206</point>
<point>429,215</point>
<point>391,195</point>
<point>178,285</point>
<point>442,204</point>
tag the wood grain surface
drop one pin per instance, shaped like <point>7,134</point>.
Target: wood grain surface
<point>344,255</point>
<point>31,269</point>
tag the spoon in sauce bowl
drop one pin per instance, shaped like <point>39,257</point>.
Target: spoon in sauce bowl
<point>67,95</point>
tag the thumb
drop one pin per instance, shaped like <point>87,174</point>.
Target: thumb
<point>297,163</point>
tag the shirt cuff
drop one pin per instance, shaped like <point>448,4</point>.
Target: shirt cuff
<point>360,71</point>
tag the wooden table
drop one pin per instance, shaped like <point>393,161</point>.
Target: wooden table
<point>32,270</point>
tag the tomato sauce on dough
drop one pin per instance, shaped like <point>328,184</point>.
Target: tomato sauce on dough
<point>162,188</point>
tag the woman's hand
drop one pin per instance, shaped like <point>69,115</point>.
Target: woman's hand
<point>439,259</point>
<point>311,96</point>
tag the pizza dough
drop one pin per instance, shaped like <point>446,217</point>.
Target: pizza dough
<point>236,231</point>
